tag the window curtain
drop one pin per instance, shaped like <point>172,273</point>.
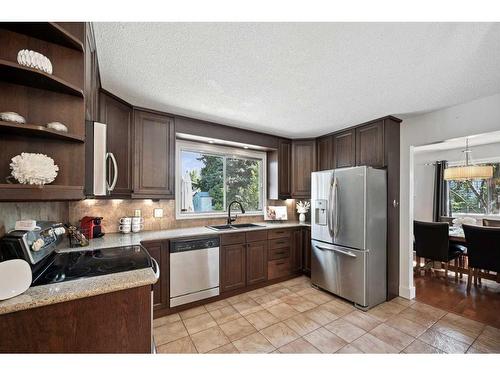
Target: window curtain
<point>440,191</point>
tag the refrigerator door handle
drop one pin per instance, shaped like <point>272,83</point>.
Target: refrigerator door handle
<point>115,171</point>
<point>329,216</point>
<point>335,199</point>
<point>348,253</point>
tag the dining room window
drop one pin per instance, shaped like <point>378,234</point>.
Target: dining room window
<point>475,196</point>
<point>210,176</point>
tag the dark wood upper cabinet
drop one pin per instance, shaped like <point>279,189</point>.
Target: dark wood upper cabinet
<point>324,148</point>
<point>344,147</point>
<point>284,169</point>
<point>159,251</point>
<point>117,115</point>
<point>154,155</point>
<point>256,262</point>
<point>92,81</point>
<point>370,145</point>
<point>233,267</point>
<point>303,163</point>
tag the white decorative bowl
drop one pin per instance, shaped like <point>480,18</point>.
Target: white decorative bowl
<point>15,278</point>
<point>12,117</point>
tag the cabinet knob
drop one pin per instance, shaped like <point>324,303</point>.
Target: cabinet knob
<point>395,203</point>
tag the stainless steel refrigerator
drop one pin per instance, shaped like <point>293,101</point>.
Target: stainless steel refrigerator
<point>349,225</point>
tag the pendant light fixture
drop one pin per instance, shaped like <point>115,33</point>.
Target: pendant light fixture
<point>468,171</point>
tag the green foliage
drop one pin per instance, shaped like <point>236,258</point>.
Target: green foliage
<point>478,196</point>
<point>243,182</point>
<point>211,180</point>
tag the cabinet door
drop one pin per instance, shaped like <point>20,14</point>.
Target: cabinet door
<point>91,81</point>
<point>296,251</point>
<point>256,262</point>
<point>154,155</point>
<point>233,267</point>
<point>303,163</point>
<point>118,118</point>
<point>159,251</point>
<point>344,147</point>
<point>284,169</point>
<point>324,148</point>
<point>370,145</point>
<point>307,250</point>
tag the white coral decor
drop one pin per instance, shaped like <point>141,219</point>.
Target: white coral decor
<point>33,169</point>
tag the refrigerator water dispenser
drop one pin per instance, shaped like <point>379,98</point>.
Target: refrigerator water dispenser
<point>320,212</point>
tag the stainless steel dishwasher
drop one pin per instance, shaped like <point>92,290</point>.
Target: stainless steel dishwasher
<point>194,269</point>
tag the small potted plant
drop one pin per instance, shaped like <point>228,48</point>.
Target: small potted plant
<point>302,209</point>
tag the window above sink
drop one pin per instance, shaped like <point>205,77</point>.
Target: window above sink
<point>209,176</point>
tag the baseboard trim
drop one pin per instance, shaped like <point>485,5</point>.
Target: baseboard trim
<point>405,292</point>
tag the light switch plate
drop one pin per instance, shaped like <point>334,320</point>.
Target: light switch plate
<point>158,212</point>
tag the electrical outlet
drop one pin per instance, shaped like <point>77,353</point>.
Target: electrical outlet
<point>137,212</point>
<point>158,212</point>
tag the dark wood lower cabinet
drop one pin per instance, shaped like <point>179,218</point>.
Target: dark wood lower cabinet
<point>159,251</point>
<point>256,262</point>
<point>233,267</point>
<point>306,250</point>
<point>118,322</point>
<point>296,251</point>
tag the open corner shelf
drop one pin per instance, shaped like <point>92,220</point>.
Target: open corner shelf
<point>31,130</point>
<point>48,31</point>
<point>20,192</point>
<point>14,73</point>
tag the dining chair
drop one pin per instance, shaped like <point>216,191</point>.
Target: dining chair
<point>447,219</point>
<point>432,242</point>
<point>483,250</point>
<point>491,223</point>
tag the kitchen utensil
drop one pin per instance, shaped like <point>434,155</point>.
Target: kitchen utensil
<point>15,278</point>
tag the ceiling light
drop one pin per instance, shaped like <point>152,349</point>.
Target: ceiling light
<point>468,171</point>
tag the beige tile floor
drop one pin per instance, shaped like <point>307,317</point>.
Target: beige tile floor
<point>293,317</point>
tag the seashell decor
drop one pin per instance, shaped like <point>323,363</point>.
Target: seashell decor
<point>33,169</point>
<point>33,59</point>
<point>57,126</point>
<point>12,117</point>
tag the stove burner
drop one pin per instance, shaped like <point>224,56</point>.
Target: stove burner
<point>81,264</point>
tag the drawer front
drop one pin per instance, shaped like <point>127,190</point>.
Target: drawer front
<point>279,233</point>
<point>279,243</point>
<point>232,238</point>
<point>257,235</point>
<point>280,253</point>
<point>278,268</point>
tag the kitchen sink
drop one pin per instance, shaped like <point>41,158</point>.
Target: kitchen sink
<point>232,226</point>
<point>245,225</point>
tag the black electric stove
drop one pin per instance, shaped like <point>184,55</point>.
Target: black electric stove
<point>74,265</point>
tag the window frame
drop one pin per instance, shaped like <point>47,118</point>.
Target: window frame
<point>226,152</point>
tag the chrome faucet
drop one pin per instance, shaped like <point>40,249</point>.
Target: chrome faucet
<point>229,218</point>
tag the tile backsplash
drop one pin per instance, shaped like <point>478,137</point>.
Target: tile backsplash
<point>12,212</point>
<point>112,210</point>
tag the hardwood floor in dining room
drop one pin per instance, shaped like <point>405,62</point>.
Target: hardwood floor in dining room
<point>483,303</point>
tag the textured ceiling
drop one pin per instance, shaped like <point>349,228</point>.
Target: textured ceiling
<point>298,79</point>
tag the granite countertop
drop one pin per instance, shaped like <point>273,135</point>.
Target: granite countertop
<point>43,295</point>
<point>120,239</point>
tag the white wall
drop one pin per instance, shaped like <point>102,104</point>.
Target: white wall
<point>478,116</point>
<point>423,193</point>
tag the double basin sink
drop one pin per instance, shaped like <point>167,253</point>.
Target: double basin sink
<point>232,226</point>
